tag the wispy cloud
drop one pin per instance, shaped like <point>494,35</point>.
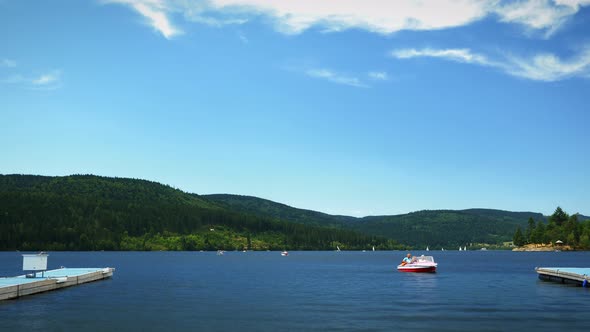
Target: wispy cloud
<point>378,16</point>
<point>540,14</point>
<point>335,77</point>
<point>156,12</point>
<point>459,55</point>
<point>548,67</point>
<point>7,63</point>
<point>541,67</point>
<point>243,37</point>
<point>378,75</point>
<point>47,81</point>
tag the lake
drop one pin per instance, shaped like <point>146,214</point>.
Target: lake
<point>306,291</point>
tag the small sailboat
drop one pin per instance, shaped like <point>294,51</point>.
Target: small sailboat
<point>460,248</point>
<point>373,248</point>
<point>427,248</point>
<point>337,248</point>
<point>284,253</point>
<point>465,248</point>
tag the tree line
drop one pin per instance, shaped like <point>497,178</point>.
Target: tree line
<point>560,226</point>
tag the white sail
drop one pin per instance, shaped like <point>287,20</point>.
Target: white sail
<point>373,248</point>
<point>427,248</point>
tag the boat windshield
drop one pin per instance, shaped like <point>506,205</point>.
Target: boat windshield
<point>425,259</point>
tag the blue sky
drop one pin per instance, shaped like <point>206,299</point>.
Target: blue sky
<point>346,107</point>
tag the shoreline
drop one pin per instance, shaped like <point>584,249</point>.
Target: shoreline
<point>544,247</point>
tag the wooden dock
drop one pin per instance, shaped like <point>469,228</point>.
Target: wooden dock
<point>15,287</point>
<point>570,275</point>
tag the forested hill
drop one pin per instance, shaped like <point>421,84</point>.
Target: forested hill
<point>433,228</point>
<point>448,228</point>
<point>264,207</point>
<point>85,212</point>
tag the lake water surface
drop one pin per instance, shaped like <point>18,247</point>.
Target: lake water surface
<point>306,291</point>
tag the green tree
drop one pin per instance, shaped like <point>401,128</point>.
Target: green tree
<point>518,238</point>
<point>558,217</point>
<point>529,231</point>
<point>538,235</point>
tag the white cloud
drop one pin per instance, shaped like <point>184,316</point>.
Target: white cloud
<point>548,67</point>
<point>541,67</point>
<point>156,12</point>
<point>538,14</point>
<point>572,3</point>
<point>7,63</point>
<point>335,77</point>
<point>378,16</point>
<point>378,75</point>
<point>386,17</point>
<point>459,55</point>
<point>46,79</point>
<point>243,37</point>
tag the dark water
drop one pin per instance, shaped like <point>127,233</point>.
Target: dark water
<point>306,291</point>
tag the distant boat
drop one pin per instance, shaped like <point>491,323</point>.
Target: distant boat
<point>373,248</point>
<point>465,248</point>
<point>337,248</point>
<point>484,249</point>
<point>442,249</point>
<point>220,252</point>
<point>427,248</point>
<point>285,253</point>
<point>460,249</point>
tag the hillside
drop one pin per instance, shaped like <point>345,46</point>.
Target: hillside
<point>85,212</point>
<point>267,208</point>
<point>448,228</point>
<point>435,228</point>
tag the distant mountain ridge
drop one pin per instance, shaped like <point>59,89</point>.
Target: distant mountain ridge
<point>87,212</point>
<point>434,228</point>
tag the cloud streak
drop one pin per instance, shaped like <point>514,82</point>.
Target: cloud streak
<point>378,75</point>
<point>335,77</point>
<point>541,67</point>
<point>47,81</point>
<point>460,55</point>
<point>156,12</point>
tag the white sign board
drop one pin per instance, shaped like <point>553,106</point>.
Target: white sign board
<point>36,262</point>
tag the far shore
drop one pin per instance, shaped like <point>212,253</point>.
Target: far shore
<point>544,247</point>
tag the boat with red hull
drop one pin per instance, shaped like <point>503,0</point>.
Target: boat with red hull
<point>419,264</point>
